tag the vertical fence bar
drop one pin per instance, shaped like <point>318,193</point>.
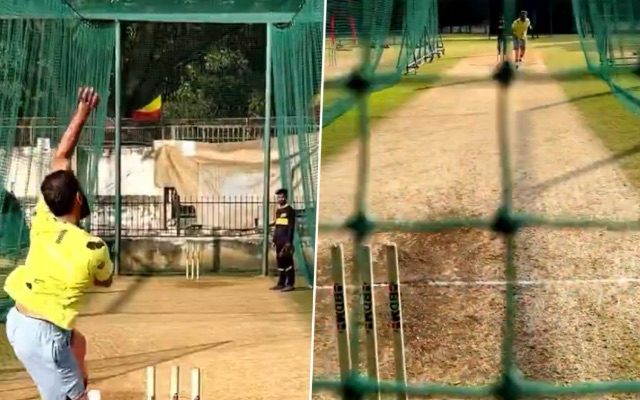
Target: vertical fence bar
<point>267,158</point>
<point>178,208</point>
<point>117,147</point>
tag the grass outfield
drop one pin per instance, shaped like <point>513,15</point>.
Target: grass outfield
<point>605,114</point>
<point>342,131</point>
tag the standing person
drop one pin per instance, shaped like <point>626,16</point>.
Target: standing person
<point>519,30</point>
<point>502,39</point>
<point>283,241</point>
<point>533,28</point>
<point>62,262</point>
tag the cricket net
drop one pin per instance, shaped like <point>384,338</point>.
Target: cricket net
<point>609,37</point>
<point>188,68</point>
<point>43,62</point>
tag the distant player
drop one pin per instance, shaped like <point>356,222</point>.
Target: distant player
<point>283,235</point>
<point>63,261</point>
<point>519,30</point>
<point>502,39</point>
<point>534,32</point>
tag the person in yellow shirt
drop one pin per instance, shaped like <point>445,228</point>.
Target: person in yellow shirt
<point>63,261</point>
<point>519,30</point>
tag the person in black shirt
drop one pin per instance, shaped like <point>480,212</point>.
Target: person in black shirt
<point>283,242</point>
<point>502,40</point>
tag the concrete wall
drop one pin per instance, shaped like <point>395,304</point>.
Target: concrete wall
<point>217,255</point>
<point>137,173</point>
<point>170,255</point>
<point>29,165</point>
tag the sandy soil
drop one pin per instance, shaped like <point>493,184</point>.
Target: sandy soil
<point>250,343</point>
<point>439,156</point>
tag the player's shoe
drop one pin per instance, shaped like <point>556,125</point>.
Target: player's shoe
<point>277,287</point>
<point>288,288</point>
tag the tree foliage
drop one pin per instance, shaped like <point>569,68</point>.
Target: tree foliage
<point>202,70</point>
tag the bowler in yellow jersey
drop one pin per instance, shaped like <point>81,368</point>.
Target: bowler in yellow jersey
<point>63,261</point>
<point>519,30</point>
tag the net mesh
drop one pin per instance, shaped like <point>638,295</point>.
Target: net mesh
<point>206,59</point>
<point>211,11</point>
<point>297,73</point>
<point>43,61</point>
<point>609,37</point>
<point>400,36</point>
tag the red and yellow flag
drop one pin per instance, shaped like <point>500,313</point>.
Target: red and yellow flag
<point>150,112</point>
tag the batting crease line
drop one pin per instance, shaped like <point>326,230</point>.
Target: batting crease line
<point>504,283</point>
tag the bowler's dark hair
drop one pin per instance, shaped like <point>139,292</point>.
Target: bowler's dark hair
<point>59,190</point>
<point>283,192</point>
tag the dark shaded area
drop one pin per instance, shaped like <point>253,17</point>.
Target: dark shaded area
<point>14,231</point>
<point>202,70</point>
<point>547,16</point>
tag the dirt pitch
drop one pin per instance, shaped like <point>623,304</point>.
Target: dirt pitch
<point>251,343</point>
<point>438,157</point>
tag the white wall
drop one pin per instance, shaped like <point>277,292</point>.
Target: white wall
<point>29,165</point>
<point>137,172</point>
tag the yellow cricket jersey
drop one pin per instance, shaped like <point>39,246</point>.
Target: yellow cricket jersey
<point>62,262</point>
<point>520,28</point>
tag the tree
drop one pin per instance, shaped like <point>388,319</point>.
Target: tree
<point>201,69</point>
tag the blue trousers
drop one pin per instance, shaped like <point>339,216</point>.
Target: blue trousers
<point>45,351</point>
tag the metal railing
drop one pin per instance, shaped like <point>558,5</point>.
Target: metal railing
<point>226,130</point>
<point>223,130</point>
<point>167,216</point>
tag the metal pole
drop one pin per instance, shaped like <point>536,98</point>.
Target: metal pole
<point>267,158</point>
<point>118,94</point>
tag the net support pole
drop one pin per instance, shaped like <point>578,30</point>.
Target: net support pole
<point>266,137</point>
<point>117,147</point>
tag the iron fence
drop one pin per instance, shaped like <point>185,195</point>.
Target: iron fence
<point>133,133</point>
<point>168,215</point>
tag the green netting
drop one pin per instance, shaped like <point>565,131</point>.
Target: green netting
<point>297,75</point>
<point>210,76</point>
<point>212,11</point>
<point>610,39</point>
<point>42,62</point>
<point>400,36</point>
<point>613,42</point>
